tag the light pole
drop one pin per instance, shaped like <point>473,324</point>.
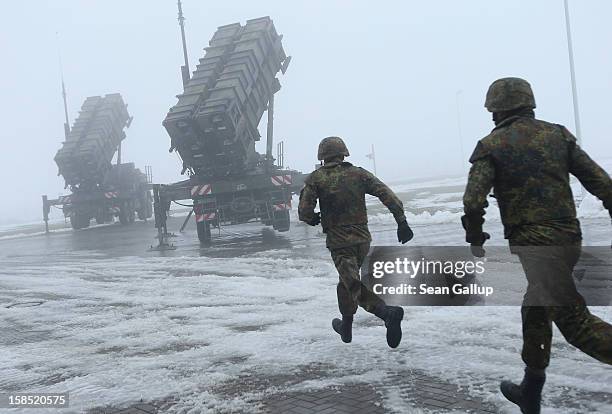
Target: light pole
<point>372,156</point>
<point>457,95</point>
<point>570,50</point>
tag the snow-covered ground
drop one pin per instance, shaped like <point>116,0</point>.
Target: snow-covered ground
<point>118,324</point>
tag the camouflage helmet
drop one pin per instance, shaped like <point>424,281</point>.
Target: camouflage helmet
<point>507,94</point>
<point>332,147</point>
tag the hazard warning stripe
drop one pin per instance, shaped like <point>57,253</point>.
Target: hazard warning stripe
<point>205,217</point>
<point>110,194</point>
<point>200,190</point>
<point>281,179</point>
<point>282,206</point>
<point>64,199</point>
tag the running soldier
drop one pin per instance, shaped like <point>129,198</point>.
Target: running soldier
<point>340,189</point>
<point>527,162</point>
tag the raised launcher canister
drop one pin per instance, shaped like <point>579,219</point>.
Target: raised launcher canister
<point>100,189</point>
<point>86,155</point>
<point>213,126</point>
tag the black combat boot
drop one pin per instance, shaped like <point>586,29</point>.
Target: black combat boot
<point>344,327</point>
<point>528,394</point>
<point>392,315</point>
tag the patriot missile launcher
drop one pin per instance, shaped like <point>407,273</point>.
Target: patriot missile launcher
<point>99,188</point>
<point>214,127</point>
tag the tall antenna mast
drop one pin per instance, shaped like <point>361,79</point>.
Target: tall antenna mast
<point>67,122</point>
<point>185,67</point>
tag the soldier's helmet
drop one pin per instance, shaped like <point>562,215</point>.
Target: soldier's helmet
<point>507,94</point>
<point>332,147</point>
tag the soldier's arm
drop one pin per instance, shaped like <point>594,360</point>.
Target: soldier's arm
<point>480,182</point>
<point>308,202</point>
<point>594,178</point>
<point>377,188</point>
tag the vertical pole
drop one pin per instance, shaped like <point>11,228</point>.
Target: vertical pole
<point>67,121</point>
<point>270,129</point>
<point>374,160</point>
<point>46,213</point>
<point>458,103</point>
<point>160,216</point>
<point>570,50</point>
<point>184,68</point>
<point>119,154</point>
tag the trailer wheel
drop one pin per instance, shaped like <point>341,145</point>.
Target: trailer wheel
<point>149,206</point>
<point>204,233</point>
<point>281,222</point>
<point>79,221</point>
<point>126,215</point>
<point>146,208</point>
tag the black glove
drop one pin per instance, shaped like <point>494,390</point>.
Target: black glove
<point>404,232</point>
<point>476,245</point>
<point>474,235</point>
<point>316,220</point>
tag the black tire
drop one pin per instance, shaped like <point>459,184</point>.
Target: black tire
<point>126,215</point>
<point>74,222</point>
<point>149,206</point>
<point>204,234</point>
<point>281,222</point>
<point>79,221</point>
<point>100,219</point>
<point>146,208</point>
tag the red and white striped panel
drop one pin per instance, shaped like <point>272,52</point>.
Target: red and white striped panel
<point>279,180</point>
<point>282,206</point>
<point>205,217</point>
<point>64,199</point>
<point>200,190</point>
<point>110,194</point>
<point>115,209</point>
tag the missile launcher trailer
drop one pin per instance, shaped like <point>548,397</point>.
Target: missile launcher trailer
<point>99,188</point>
<point>213,127</point>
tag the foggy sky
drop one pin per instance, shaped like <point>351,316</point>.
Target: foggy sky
<point>392,73</point>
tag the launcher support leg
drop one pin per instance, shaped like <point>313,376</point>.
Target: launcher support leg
<point>186,221</point>
<point>46,209</point>
<point>161,216</point>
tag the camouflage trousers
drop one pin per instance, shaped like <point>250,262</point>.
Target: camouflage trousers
<point>351,292</point>
<point>552,297</point>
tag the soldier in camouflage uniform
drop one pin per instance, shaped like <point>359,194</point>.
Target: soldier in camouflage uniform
<point>527,162</point>
<point>340,189</point>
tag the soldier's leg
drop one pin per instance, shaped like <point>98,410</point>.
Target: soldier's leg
<point>368,300</point>
<point>537,325</point>
<point>346,304</point>
<point>585,331</point>
<point>537,336</point>
<point>391,315</point>
<point>351,292</point>
<point>349,286</point>
<point>347,291</point>
<point>348,262</point>
<point>580,328</point>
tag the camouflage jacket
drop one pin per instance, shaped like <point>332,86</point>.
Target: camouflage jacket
<point>340,189</point>
<point>527,162</point>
